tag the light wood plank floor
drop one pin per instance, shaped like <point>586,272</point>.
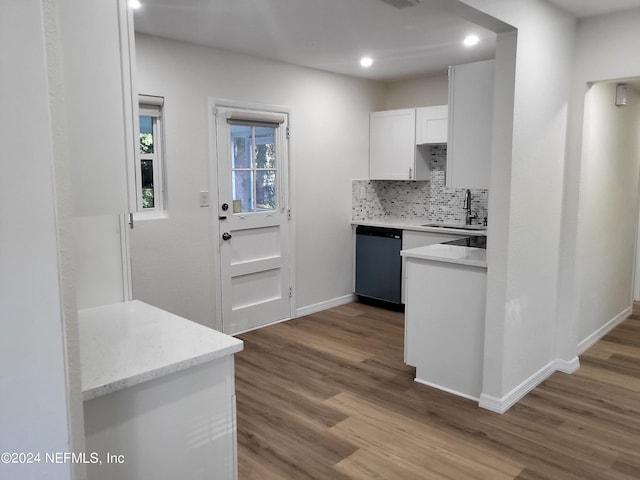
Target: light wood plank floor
<point>328,396</point>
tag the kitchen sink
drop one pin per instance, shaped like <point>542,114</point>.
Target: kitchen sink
<point>455,226</point>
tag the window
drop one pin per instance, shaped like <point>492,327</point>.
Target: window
<point>149,161</point>
<point>253,168</point>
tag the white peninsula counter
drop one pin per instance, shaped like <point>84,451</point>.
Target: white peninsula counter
<point>159,395</point>
<point>444,316</point>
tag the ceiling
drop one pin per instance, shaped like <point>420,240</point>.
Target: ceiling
<point>423,38</point>
<point>590,8</point>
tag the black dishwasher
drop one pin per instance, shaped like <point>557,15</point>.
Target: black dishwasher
<point>378,263</point>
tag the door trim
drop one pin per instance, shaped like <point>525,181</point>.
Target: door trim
<point>214,223</point>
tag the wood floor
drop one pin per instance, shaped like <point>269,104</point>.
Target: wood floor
<point>329,397</point>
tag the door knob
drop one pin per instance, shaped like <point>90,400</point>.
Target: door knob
<point>226,236</point>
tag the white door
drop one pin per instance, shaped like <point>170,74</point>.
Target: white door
<point>253,218</point>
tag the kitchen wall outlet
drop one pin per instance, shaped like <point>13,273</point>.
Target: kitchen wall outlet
<point>204,198</point>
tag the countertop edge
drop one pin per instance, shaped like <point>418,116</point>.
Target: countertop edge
<point>216,345</point>
<point>420,254</point>
<point>418,228</point>
<point>100,390</point>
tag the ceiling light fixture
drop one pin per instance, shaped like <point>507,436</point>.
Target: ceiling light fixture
<point>471,40</point>
<point>366,62</point>
<point>135,4</point>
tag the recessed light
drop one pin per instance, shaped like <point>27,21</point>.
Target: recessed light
<point>471,40</point>
<point>135,4</point>
<point>366,62</point>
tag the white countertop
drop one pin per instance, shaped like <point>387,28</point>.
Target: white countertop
<point>417,225</point>
<point>449,253</point>
<point>127,343</point>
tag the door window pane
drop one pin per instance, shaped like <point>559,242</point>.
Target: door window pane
<point>146,134</point>
<point>241,143</point>
<point>243,191</point>
<point>265,150</point>
<point>265,190</point>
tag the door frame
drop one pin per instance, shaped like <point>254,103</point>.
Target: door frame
<point>214,223</point>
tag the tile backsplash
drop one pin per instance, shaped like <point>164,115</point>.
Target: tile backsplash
<point>429,200</point>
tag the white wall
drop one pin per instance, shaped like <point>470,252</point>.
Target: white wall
<point>34,413</point>
<point>418,92</point>
<point>604,47</point>
<point>526,200</point>
<point>608,217</point>
<point>171,258</point>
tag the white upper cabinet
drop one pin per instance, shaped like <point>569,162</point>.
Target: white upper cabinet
<point>470,125</point>
<point>393,154</point>
<point>98,102</point>
<point>432,124</point>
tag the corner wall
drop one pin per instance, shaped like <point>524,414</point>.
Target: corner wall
<point>526,195</point>
<point>35,414</point>
<point>66,241</point>
<point>329,147</point>
<point>603,52</point>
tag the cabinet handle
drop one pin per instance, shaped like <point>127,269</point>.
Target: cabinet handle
<point>410,173</point>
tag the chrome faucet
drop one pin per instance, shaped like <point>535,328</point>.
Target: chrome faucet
<point>467,206</point>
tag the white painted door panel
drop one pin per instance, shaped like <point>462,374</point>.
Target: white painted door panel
<point>432,124</point>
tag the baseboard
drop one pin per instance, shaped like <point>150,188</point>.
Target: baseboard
<point>602,331</point>
<point>260,326</point>
<point>327,304</point>
<point>444,389</point>
<point>501,405</point>
<point>569,367</point>
<point>308,310</point>
<point>491,403</point>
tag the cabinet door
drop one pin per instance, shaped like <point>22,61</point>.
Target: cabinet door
<point>392,145</point>
<point>432,124</point>
<point>98,103</point>
<point>470,125</point>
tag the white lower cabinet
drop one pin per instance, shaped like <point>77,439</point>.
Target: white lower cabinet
<point>159,395</point>
<point>180,425</point>
<point>444,325</point>
<point>414,239</point>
